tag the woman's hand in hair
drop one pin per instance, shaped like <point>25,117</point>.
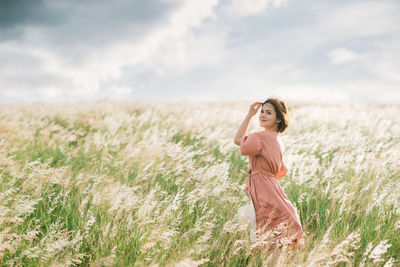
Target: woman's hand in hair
<point>254,108</point>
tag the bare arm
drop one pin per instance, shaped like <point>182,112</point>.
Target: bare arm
<point>243,127</point>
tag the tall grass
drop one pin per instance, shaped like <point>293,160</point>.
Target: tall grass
<point>159,184</point>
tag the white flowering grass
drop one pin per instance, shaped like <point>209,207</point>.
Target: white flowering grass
<point>160,184</point>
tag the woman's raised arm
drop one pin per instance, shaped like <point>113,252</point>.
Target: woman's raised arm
<point>243,127</point>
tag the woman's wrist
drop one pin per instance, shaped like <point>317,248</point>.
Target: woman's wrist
<point>249,115</point>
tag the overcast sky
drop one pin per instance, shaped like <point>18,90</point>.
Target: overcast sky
<point>337,50</point>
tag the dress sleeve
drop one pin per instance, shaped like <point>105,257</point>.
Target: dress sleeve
<point>250,145</point>
<point>282,171</point>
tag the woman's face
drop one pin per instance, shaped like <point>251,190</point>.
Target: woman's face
<point>268,117</point>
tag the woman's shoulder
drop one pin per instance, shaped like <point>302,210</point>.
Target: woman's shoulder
<point>261,135</point>
<point>265,133</point>
<point>271,137</point>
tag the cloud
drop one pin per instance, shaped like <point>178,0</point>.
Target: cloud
<point>121,90</point>
<point>166,49</point>
<point>342,55</point>
<point>86,66</point>
<point>15,13</point>
<point>251,7</point>
<point>360,19</point>
<point>50,92</point>
<point>361,39</point>
<point>385,60</point>
<point>198,49</point>
<point>66,22</point>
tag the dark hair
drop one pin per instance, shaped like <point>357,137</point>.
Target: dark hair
<point>281,112</point>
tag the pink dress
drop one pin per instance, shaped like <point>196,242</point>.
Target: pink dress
<point>271,205</point>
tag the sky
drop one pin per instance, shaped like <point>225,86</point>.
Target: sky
<point>200,50</point>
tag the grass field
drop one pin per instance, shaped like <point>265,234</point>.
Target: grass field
<point>158,183</point>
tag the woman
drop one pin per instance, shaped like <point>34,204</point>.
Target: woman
<point>273,210</point>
